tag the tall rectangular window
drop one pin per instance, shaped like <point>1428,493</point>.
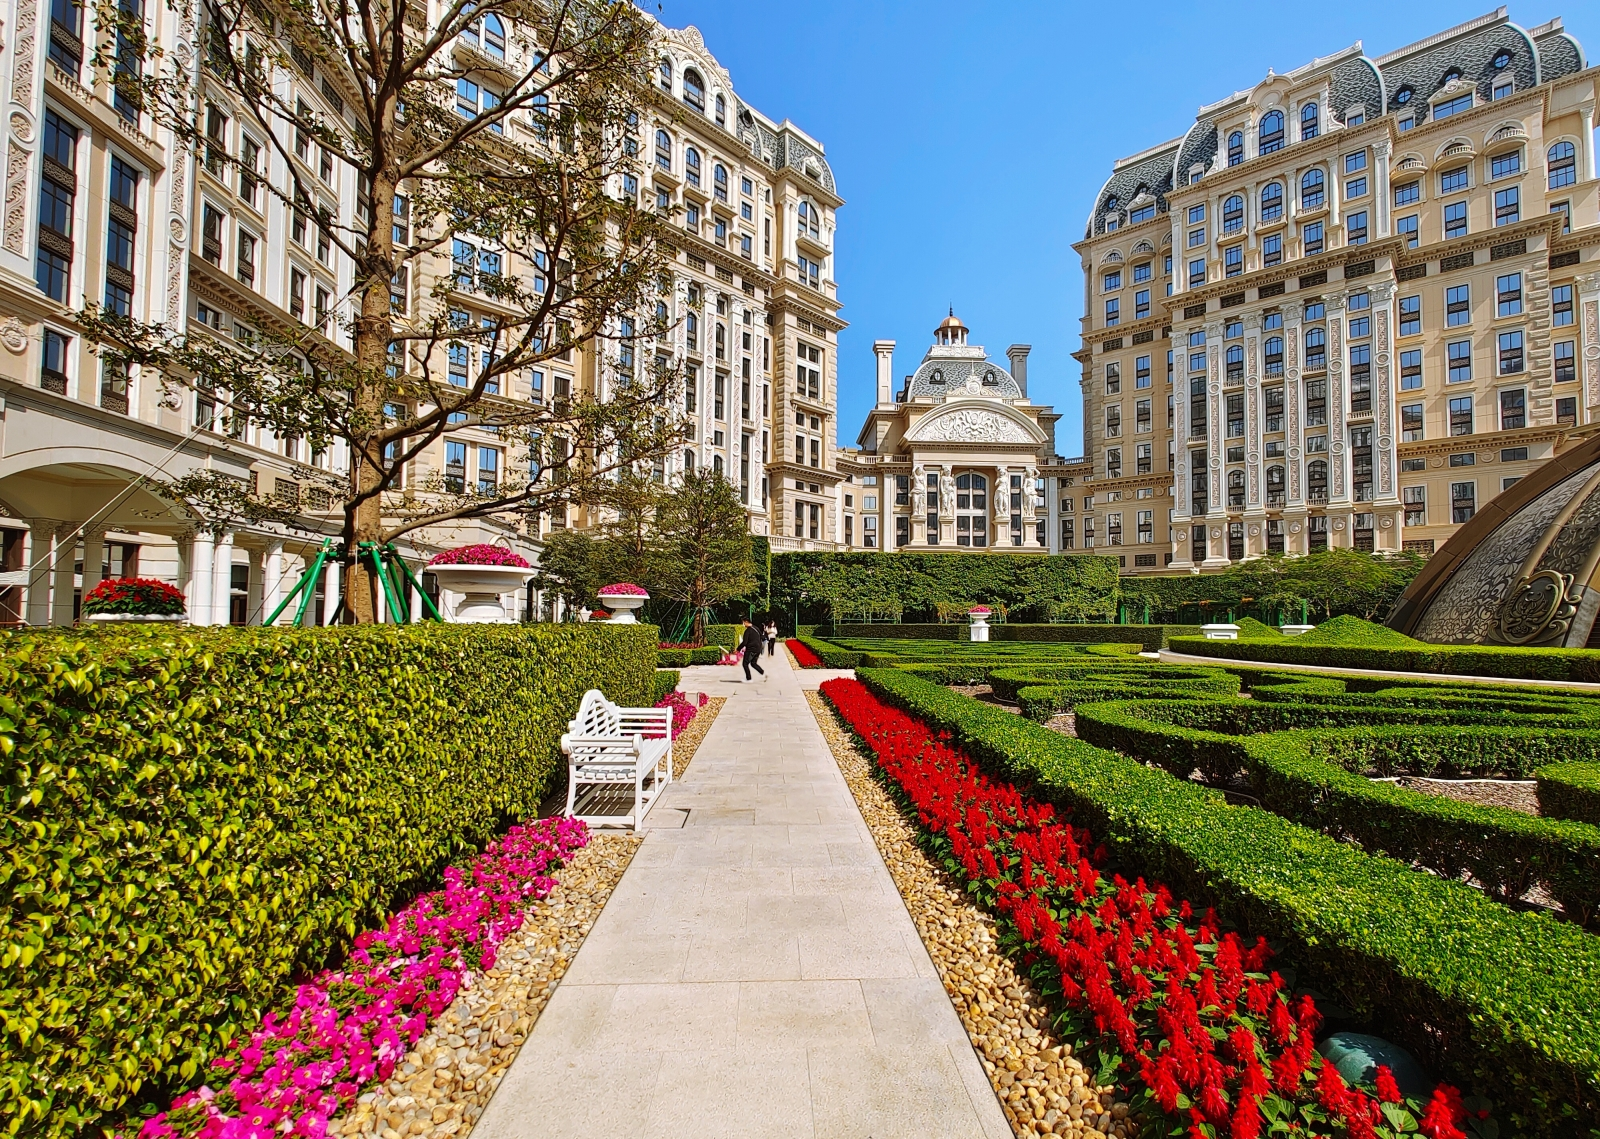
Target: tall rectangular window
<point>1113,378</point>
<point>128,66</point>
<point>1511,357</point>
<point>1459,353</point>
<point>1356,228</point>
<point>1197,273</point>
<point>1272,249</point>
<point>1455,220</point>
<point>1406,227</point>
<point>1113,312</point>
<point>1513,410</point>
<point>1463,501</point>
<point>122,227</point>
<point>1410,316</point>
<point>1311,237</point>
<point>58,195</point>
<point>1415,499</point>
<point>1458,305</point>
<point>1565,361</point>
<point>53,364</point>
<point>1561,305</point>
<point>1233,261</point>
<point>1141,372</point>
<point>1411,370</point>
<point>1508,294</point>
<point>1507,205</point>
<point>1461,415</point>
<point>1360,379</point>
<point>66,36</point>
<point>1316,403</point>
<point>1410,422</point>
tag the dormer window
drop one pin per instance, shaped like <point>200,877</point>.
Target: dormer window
<point>1457,106</point>
<point>1270,138</point>
<point>1308,122</point>
<point>665,77</point>
<point>694,91</point>
<point>1403,96</point>
<point>1501,61</point>
<point>937,377</point>
<point>722,111</point>
<point>989,381</point>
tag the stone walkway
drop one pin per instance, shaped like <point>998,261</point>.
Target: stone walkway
<point>755,973</point>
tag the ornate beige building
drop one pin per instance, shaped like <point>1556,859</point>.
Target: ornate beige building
<point>1348,307</point>
<point>101,207</point>
<point>958,458</point>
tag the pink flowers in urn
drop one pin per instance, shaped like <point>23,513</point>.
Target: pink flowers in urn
<point>623,597</point>
<point>623,589</point>
<point>482,554</point>
<point>980,610</point>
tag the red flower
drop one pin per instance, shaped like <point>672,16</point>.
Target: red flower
<point>1444,1114</point>
<point>803,655</point>
<point>1388,1090</point>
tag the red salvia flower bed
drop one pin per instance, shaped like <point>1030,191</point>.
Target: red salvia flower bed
<point>1189,1018</point>
<point>805,656</point>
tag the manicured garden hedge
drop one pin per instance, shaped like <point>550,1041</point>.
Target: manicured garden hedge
<point>1464,660</point>
<point>1570,790</point>
<point>683,658</point>
<point>1150,637</point>
<point>725,635</point>
<point>191,819</point>
<point>666,680</point>
<point>1500,1000</point>
<point>831,655</point>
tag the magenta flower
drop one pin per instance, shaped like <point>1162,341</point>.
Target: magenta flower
<point>482,554</point>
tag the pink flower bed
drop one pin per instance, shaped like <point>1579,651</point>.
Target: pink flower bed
<point>481,554</point>
<point>349,1027</point>
<point>684,710</point>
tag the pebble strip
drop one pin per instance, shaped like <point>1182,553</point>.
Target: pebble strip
<point>445,1082</point>
<point>1040,1083</point>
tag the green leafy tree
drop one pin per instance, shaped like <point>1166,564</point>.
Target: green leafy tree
<point>532,174</point>
<point>569,567</point>
<point>702,553</point>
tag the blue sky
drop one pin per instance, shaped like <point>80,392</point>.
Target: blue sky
<point>969,140</point>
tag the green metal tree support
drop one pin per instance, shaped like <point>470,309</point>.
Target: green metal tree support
<point>385,561</point>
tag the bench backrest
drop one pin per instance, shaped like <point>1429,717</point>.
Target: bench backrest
<point>597,716</point>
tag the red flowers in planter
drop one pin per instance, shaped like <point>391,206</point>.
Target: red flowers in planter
<point>803,655</point>
<point>482,554</point>
<point>1187,1016</point>
<point>140,596</point>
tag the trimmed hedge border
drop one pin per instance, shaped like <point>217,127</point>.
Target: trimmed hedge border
<point>1503,1001</point>
<point>1463,660</point>
<point>1150,637</point>
<point>683,658</point>
<point>831,655</point>
<point>1570,791</point>
<point>666,682</point>
<point>191,819</point>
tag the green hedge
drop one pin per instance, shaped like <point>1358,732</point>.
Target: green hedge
<point>725,635</point>
<point>192,819</point>
<point>1570,790</point>
<point>666,682</point>
<point>1302,776</point>
<point>831,655</point>
<point>1074,684</point>
<point>1150,637</point>
<point>1503,1002</point>
<point>1463,660</point>
<point>683,658</point>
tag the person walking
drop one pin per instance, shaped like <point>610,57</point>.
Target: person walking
<point>750,646</point>
<point>772,638</point>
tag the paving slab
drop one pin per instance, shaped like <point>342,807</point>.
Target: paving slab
<point>755,972</point>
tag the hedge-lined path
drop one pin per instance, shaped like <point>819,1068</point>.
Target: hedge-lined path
<point>1170,657</point>
<point>755,971</point>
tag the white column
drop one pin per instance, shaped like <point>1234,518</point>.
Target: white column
<point>222,580</point>
<point>198,588</point>
<point>253,613</point>
<point>416,605</point>
<point>272,578</point>
<point>94,557</point>
<point>330,600</point>
<point>65,568</point>
<point>41,545</point>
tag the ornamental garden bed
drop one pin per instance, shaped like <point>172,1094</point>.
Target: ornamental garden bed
<point>1197,1025</point>
<point>200,820</point>
<point>1488,994</point>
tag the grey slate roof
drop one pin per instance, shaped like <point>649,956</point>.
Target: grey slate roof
<point>1473,56</point>
<point>955,373</point>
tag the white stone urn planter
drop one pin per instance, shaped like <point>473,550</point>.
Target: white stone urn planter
<point>1220,632</point>
<point>482,588</point>
<point>136,618</point>
<point>623,599</point>
<point>979,616</point>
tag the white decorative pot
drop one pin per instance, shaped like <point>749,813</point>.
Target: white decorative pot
<point>136,618</point>
<point>482,588</point>
<point>1220,632</point>
<point>622,605</point>
<point>980,626</point>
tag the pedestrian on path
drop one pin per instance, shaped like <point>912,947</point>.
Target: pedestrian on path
<point>750,645</point>
<point>772,638</point>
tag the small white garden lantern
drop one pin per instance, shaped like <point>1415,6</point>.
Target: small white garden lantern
<point>623,598</point>
<point>979,616</point>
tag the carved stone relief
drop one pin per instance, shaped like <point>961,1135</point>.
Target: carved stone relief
<point>970,425</point>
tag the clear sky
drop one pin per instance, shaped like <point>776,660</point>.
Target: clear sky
<point>969,140</point>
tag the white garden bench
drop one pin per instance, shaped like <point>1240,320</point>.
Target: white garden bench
<point>612,751</point>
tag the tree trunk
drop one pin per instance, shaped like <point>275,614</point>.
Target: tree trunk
<point>697,597</point>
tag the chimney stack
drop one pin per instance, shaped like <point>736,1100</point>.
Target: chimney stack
<point>1018,355</point>
<point>884,350</point>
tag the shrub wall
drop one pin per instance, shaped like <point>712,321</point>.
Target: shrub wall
<point>1570,790</point>
<point>683,658</point>
<point>725,635</point>
<point>831,655</point>
<point>192,819</point>
<point>1498,1000</point>
<point>1151,637</point>
<point>1464,660</point>
<point>666,681</point>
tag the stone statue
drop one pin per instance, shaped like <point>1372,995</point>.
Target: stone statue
<point>919,499</point>
<point>1030,496</point>
<point>947,491</point>
<point>1002,498</point>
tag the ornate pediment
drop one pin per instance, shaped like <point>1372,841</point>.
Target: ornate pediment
<point>969,424</point>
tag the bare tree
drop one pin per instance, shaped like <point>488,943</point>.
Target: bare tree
<point>498,218</point>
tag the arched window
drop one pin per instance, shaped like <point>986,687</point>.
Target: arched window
<point>1317,480</point>
<point>666,74</point>
<point>972,515</point>
<point>1272,353</point>
<point>1235,361</point>
<point>1233,214</point>
<point>1316,349</point>
<point>722,111</point>
<point>694,91</point>
<point>1272,201</point>
<point>1312,190</point>
<point>1270,137</point>
<point>810,220</point>
<point>691,166</point>
<point>494,36</point>
<point>1308,122</point>
<point>1235,148</point>
<point>719,182</point>
<point>1562,162</point>
<point>664,150</point>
